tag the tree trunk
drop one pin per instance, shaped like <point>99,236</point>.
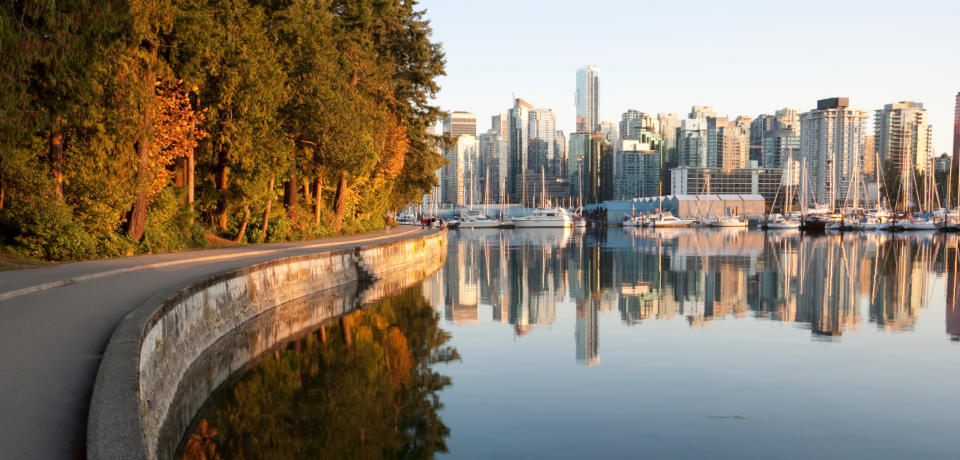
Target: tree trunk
<point>345,323</point>
<point>138,215</point>
<point>191,166</point>
<point>243,225</point>
<point>56,157</point>
<point>290,197</point>
<point>316,205</point>
<point>3,189</point>
<point>306,191</point>
<point>266,214</point>
<point>340,200</point>
<point>222,172</point>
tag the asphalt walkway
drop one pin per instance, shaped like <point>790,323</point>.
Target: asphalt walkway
<point>55,323</point>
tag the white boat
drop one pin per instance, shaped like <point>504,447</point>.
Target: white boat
<point>476,219</point>
<point>782,223</point>
<point>545,217</point>
<point>407,218</point>
<point>580,223</point>
<point>667,220</point>
<point>919,224</point>
<point>728,221</point>
<point>633,221</point>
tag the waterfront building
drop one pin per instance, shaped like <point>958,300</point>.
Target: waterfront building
<point>942,163</point>
<point>669,124</point>
<point>518,139</point>
<point>542,135</point>
<point>501,124</point>
<point>609,131</point>
<point>692,143</point>
<point>638,169</point>
<point>727,142</point>
<point>559,165</point>
<point>494,165</point>
<point>460,123</point>
<point>765,182</point>
<point>956,134</point>
<point>870,165</point>
<point>903,137</point>
<point>701,113</point>
<point>831,149</point>
<point>780,141</point>
<point>633,121</point>
<point>587,98</point>
<point>460,178</point>
<point>590,168</point>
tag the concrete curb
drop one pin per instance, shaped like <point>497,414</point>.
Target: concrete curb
<point>115,425</point>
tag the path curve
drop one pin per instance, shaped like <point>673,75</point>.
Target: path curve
<point>56,321</point>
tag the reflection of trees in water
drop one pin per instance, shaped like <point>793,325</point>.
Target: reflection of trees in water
<point>362,387</point>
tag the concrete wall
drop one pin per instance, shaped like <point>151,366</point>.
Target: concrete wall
<point>166,357</point>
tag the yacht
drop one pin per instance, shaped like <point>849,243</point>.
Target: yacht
<point>633,221</point>
<point>728,221</point>
<point>476,219</point>
<point>782,223</point>
<point>667,220</point>
<point>407,218</point>
<point>545,217</point>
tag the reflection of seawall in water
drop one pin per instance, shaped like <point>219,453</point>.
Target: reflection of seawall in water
<point>233,352</point>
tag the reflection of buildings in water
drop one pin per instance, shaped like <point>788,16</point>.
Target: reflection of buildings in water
<point>520,274</point>
<point>903,284</point>
<point>587,334</point>
<point>827,297</point>
<point>953,291</point>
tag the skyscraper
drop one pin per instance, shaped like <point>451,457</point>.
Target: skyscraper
<point>587,99</point>
<point>669,123</point>
<point>701,113</point>
<point>559,166</point>
<point>727,142</point>
<point>501,124</point>
<point>519,119</point>
<point>494,155</point>
<point>903,136</point>
<point>460,123</point>
<point>609,131</point>
<point>956,133</point>
<point>831,147</point>
<point>692,143</point>
<point>460,173</point>
<point>542,135</point>
<point>779,140</point>
<point>590,167</point>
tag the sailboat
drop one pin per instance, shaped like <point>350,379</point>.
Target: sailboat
<point>545,215</point>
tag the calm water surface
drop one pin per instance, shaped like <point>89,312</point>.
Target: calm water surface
<point>679,343</point>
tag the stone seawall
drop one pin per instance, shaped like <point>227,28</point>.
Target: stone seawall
<point>169,355</point>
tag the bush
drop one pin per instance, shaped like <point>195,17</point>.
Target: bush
<point>44,228</point>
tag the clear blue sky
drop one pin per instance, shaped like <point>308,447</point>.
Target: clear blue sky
<point>741,57</point>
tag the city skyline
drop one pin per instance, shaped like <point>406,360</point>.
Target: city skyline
<point>737,84</point>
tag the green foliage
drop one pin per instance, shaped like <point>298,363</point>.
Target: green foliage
<point>305,89</point>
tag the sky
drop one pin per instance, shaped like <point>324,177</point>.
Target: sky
<point>741,57</point>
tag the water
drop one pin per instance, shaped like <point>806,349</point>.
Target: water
<point>679,343</point>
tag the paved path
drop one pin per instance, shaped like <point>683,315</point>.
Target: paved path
<point>55,323</point>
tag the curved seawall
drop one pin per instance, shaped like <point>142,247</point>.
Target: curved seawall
<point>165,358</point>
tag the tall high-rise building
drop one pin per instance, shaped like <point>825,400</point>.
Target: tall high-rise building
<point>692,143</point>
<point>669,123</point>
<point>460,175</point>
<point>587,98</point>
<point>779,139</point>
<point>542,135</point>
<point>501,124</point>
<point>701,112</point>
<point>638,168</point>
<point>956,134</point>
<point>634,121</point>
<point>831,149</point>
<point>609,131</point>
<point>494,152</point>
<point>519,121</point>
<point>460,123</point>
<point>903,136</point>
<point>727,142</point>
<point>590,168</point>
<point>559,166</point>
